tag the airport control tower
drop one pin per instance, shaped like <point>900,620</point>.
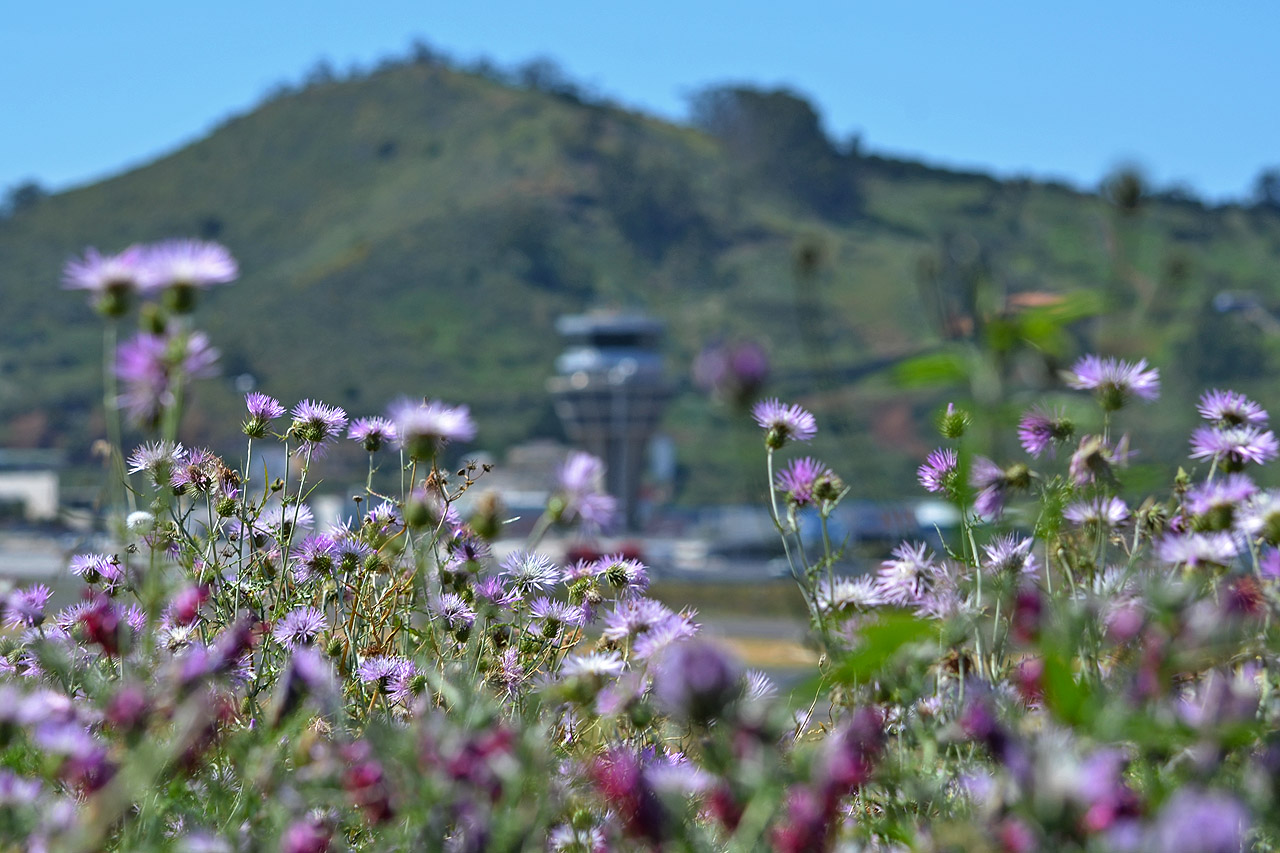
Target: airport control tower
<point>610,394</point>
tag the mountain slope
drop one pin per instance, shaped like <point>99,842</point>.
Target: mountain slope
<point>416,231</point>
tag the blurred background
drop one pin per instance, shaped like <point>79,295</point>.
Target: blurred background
<point>615,229</point>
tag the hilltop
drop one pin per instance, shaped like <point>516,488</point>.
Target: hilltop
<point>417,230</point>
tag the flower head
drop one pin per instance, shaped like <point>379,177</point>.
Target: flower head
<point>938,473</point>
<point>908,576</point>
<point>782,422</point>
<point>529,571</point>
<point>262,411</point>
<point>1230,409</point>
<point>25,607</point>
<point>110,279</point>
<point>581,492</point>
<point>158,459</point>
<point>1040,431</point>
<point>188,263</point>
<point>1197,549</point>
<point>1114,381</point>
<point>995,483</point>
<point>386,674</point>
<point>423,429</point>
<point>300,627</point>
<point>152,368</point>
<point>1233,447</point>
<point>1010,555</point>
<point>316,425</point>
<point>372,433</point>
<point>454,611</point>
<point>1107,512</point>
<point>800,479</point>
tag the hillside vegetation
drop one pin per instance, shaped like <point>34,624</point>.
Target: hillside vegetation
<point>429,225</point>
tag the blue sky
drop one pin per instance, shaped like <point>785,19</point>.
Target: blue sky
<point>1185,89</point>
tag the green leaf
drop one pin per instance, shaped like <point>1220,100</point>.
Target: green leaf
<point>935,368</point>
<point>879,643</point>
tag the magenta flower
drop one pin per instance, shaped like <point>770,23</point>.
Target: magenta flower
<point>799,479</point>
<point>262,411</point>
<point>1230,409</point>
<point>994,484</point>
<point>316,425</point>
<point>1108,512</point>
<point>25,607</point>
<point>1040,431</point>
<point>110,279</point>
<point>1233,447</point>
<point>1114,381</point>
<point>581,493</point>
<point>782,422</point>
<point>1010,555</point>
<point>157,459</point>
<point>938,473</point>
<point>300,627</point>
<point>153,367</point>
<point>528,571</point>
<point>454,611</point>
<point>188,263</point>
<point>372,433</point>
<point>1197,549</point>
<point>386,674</point>
<point>423,429</point>
<point>908,576</point>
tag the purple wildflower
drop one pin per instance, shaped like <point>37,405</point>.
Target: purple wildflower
<point>782,422</point>
<point>1197,549</point>
<point>905,578</point>
<point>676,628</point>
<point>423,429</point>
<point>495,592</point>
<point>800,478</point>
<point>848,595</point>
<point>1260,516</point>
<point>621,573</point>
<point>530,571</point>
<point>1108,512</point>
<point>197,473</point>
<point>372,433</point>
<point>158,459</point>
<point>994,484</point>
<point>110,279</point>
<point>98,568</point>
<point>1216,501</point>
<point>300,627</point>
<point>697,681</point>
<point>938,473</point>
<point>1114,381</point>
<point>386,674</point>
<point>1233,447</point>
<point>1230,409</point>
<point>454,611</point>
<point>152,367</point>
<point>1269,563</point>
<point>551,614</point>
<point>262,411</point>
<point>25,607</point>
<point>1010,555</point>
<point>187,263</point>
<point>316,425</point>
<point>315,557</point>
<point>631,617</point>
<point>581,493</point>
<point>1195,821</point>
<point>605,665</point>
<point>1041,431</point>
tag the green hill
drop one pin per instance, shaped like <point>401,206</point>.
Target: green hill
<point>418,229</point>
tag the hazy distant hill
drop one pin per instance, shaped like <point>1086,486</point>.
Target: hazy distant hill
<point>418,229</point>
